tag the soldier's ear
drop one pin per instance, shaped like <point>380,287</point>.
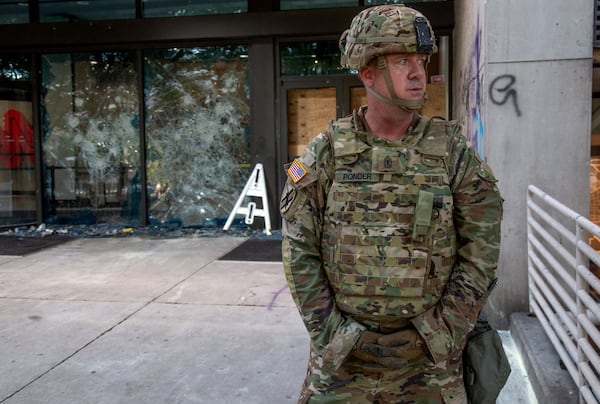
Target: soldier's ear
<point>365,74</point>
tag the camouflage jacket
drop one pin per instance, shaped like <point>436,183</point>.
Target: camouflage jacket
<point>476,216</point>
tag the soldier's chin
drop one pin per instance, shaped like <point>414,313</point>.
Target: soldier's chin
<point>415,94</point>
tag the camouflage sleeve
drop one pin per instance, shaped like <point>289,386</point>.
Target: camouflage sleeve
<point>302,204</point>
<point>477,217</point>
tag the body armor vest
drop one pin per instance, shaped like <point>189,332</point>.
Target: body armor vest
<point>389,243</point>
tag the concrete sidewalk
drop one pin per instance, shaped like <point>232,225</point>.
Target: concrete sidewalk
<point>134,320</point>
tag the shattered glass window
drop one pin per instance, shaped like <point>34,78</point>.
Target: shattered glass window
<point>90,138</point>
<point>197,116</point>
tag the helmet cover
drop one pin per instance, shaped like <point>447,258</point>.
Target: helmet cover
<point>386,29</point>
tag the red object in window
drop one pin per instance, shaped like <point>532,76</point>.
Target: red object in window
<point>16,140</point>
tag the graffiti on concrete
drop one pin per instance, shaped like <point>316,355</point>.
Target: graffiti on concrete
<point>502,91</point>
<point>471,94</point>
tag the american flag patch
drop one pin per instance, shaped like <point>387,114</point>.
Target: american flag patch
<point>296,171</point>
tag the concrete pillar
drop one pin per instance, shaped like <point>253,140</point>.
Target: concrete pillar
<point>523,82</point>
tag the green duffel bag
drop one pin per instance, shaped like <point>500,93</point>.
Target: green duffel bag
<point>486,367</point>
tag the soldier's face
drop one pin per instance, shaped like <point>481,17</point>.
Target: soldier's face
<point>408,74</point>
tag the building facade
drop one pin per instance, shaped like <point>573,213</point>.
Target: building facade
<point>143,112</point>
<point>153,112</point>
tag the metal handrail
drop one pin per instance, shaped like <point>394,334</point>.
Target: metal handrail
<point>564,293</point>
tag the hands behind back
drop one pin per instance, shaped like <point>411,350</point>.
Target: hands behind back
<point>392,351</point>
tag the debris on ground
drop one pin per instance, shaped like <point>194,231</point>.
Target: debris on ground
<point>153,231</point>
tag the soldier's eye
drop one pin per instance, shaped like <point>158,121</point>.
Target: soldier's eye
<point>401,62</point>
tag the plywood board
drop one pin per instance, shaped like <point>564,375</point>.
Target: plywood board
<point>308,111</point>
<point>436,101</point>
<point>358,97</point>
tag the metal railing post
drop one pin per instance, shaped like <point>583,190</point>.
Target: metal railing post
<point>580,259</point>
<point>529,251</point>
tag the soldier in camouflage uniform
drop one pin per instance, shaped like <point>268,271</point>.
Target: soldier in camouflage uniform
<point>391,229</point>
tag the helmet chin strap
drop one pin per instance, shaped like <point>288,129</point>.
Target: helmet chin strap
<point>405,104</point>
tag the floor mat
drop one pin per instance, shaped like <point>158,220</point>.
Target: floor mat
<point>16,245</point>
<point>255,249</point>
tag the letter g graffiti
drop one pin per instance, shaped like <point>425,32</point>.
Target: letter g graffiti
<point>501,91</point>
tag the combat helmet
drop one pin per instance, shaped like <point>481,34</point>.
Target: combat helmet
<point>381,30</point>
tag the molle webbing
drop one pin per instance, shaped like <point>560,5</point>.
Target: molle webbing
<point>388,228</point>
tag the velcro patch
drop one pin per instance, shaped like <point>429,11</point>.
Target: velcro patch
<point>296,171</point>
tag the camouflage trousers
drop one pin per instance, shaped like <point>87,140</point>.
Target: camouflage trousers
<point>420,383</point>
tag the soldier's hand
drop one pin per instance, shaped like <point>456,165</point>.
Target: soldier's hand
<point>405,344</point>
<point>366,337</point>
<point>369,338</point>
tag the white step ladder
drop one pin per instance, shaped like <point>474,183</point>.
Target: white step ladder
<point>255,187</point>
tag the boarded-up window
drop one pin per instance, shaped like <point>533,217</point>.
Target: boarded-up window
<point>309,111</point>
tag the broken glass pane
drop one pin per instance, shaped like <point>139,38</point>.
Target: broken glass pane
<point>90,137</point>
<point>197,115</point>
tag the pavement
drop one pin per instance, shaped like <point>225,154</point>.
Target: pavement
<point>145,320</point>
